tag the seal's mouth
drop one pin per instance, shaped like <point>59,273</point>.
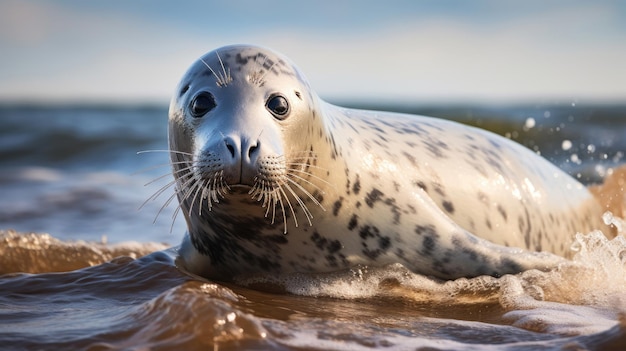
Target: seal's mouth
<point>240,189</point>
<point>285,190</point>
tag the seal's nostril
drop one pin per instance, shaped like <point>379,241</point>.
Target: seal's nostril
<point>252,149</point>
<point>231,149</point>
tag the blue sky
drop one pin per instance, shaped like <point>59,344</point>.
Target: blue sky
<point>411,51</point>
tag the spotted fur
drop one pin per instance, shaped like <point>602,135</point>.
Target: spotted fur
<point>363,187</point>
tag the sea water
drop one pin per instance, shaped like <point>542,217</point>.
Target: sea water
<point>83,268</point>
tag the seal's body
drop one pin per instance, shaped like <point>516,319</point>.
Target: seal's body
<point>272,179</point>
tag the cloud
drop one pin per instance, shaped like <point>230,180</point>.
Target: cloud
<point>56,53</point>
<point>60,52</point>
<point>547,55</point>
<point>24,23</point>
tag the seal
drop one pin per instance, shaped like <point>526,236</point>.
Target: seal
<point>272,179</point>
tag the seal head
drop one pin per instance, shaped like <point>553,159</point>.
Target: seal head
<point>239,131</point>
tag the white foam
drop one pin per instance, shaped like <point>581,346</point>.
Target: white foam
<point>580,297</point>
<point>618,223</point>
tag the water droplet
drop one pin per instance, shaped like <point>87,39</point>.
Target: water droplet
<point>530,123</point>
<point>566,145</point>
<point>231,317</point>
<point>607,217</point>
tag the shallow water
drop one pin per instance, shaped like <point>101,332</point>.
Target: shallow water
<point>149,303</point>
<point>78,181</point>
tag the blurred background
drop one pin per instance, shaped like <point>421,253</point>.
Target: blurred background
<point>418,51</point>
<point>85,85</point>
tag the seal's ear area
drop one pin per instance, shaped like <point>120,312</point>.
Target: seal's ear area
<point>201,104</point>
<point>278,105</point>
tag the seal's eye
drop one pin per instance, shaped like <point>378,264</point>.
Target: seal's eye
<point>202,103</point>
<point>278,106</point>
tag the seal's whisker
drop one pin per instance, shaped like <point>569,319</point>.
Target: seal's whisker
<point>306,192</point>
<point>204,187</point>
<point>184,191</point>
<point>218,78</point>
<point>255,76</point>
<point>302,155</point>
<point>270,197</point>
<point>305,152</point>
<point>304,161</point>
<point>222,187</point>
<point>168,174</point>
<point>189,186</point>
<point>267,199</point>
<point>167,203</point>
<point>198,186</point>
<point>174,217</point>
<point>274,198</point>
<point>258,193</point>
<point>292,210</point>
<point>151,168</point>
<point>208,192</point>
<point>226,78</point>
<point>305,165</point>
<point>221,78</point>
<point>214,192</point>
<point>185,185</point>
<point>157,193</point>
<point>306,181</point>
<point>184,171</point>
<point>305,209</point>
<point>165,151</point>
<point>312,176</point>
<point>282,208</point>
<point>305,155</point>
<point>255,188</point>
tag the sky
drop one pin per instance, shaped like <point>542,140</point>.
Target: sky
<point>433,51</point>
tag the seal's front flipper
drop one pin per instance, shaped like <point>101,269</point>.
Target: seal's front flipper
<point>467,255</point>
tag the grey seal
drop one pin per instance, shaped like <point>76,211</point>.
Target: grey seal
<point>272,179</point>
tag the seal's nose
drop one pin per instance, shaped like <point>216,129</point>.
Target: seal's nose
<point>243,156</point>
<point>245,151</point>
